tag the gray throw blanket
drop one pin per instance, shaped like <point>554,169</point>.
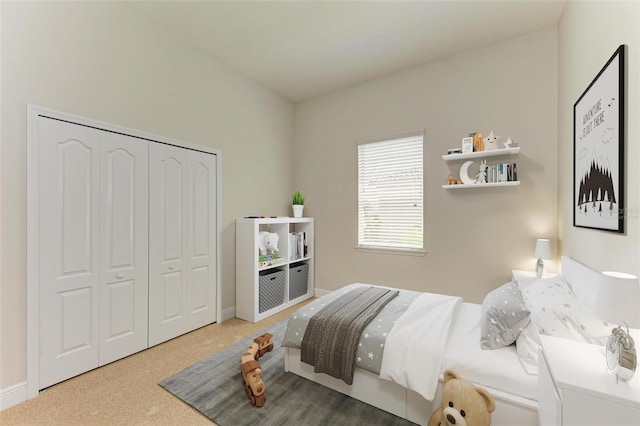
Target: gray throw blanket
<point>331,338</point>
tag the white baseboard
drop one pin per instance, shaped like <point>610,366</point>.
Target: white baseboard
<point>320,292</point>
<point>231,312</point>
<point>13,395</point>
<point>228,313</point>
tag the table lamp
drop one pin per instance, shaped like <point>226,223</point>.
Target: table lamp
<point>542,251</point>
<point>619,299</point>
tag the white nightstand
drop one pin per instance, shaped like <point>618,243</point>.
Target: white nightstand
<point>574,387</point>
<point>528,276</point>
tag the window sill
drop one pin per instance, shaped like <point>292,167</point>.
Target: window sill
<point>391,250</point>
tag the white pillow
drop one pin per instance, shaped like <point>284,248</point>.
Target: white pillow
<point>556,311</point>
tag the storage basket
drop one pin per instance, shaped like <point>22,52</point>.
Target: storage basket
<point>271,291</point>
<point>298,280</point>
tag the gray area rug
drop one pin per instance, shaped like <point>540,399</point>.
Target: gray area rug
<point>214,387</point>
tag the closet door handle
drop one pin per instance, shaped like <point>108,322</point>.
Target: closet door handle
<point>119,276</point>
<point>172,267</point>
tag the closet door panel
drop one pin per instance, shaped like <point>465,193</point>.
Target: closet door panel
<point>202,239</point>
<point>167,242</point>
<point>124,246</point>
<point>68,251</point>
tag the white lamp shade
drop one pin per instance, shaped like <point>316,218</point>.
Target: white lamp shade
<point>543,249</point>
<point>619,299</point>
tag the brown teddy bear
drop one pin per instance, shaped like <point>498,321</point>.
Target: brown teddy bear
<point>463,404</point>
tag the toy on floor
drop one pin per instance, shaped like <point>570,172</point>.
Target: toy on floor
<point>265,344</point>
<point>251,371</point>
<point>463,404</point>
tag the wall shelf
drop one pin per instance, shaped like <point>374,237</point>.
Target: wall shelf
<point>481,154</point>
<point>494,171</point>
<point>481,185</point>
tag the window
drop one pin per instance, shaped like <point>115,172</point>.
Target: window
<point>390,200</point>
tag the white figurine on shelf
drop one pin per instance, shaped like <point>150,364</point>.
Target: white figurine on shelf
<point>491,142</point>
<point>482,176</point>
<point>510,144</point>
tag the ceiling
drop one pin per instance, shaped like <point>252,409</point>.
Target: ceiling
<point>303,49</point>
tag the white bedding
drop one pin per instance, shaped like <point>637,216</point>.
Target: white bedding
<point>498,369</point>
<point>415,345</point>
<point>436,332</point>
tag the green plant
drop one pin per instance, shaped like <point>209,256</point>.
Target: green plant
<point>298,198</point>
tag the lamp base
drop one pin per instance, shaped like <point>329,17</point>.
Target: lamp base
<point>539,268</point>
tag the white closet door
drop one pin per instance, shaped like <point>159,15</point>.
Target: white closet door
<point>124,242</point>
<point>201,282</point>
<point>167,242</point>
<point>68,250</point>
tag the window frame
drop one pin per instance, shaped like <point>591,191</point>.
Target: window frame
<point>389,249</point>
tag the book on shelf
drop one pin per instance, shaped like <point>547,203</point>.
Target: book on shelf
<point>269,259</point>
<point>298,247</point>
<point>507,172</point>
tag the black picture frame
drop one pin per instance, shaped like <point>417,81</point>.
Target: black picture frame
<point>598,149</point>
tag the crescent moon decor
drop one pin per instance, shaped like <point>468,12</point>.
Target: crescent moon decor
<point>464,173</point>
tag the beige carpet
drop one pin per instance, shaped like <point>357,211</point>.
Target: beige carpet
<point>126,392</point>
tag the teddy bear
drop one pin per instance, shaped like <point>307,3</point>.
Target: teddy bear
<point>463,404</point>
<point>268,241</point>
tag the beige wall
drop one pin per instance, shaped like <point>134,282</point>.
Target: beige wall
<point>102,61</point>
<point>473,238</point>
<point>588,34</point>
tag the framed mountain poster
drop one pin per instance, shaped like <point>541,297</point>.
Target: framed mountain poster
<point>598,149</point>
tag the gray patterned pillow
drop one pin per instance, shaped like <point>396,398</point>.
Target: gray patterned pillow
<point>503,316</point>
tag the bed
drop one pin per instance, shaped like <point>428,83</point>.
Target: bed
<point>507,371</point>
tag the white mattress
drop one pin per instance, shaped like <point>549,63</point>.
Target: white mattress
<point>498,369</point>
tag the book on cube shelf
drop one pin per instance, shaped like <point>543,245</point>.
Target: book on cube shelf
<point>298,248</point>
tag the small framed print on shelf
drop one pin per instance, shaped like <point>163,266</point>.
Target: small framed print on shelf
<point>467,145</point>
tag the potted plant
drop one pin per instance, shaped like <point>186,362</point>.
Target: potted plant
<point>298,203</point>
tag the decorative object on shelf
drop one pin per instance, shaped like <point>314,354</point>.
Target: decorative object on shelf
<point>621,353</point>
<point>619,298</point>
<point>268,242</point>
<point>491,142</point>
<point>297,203</point>
<point>464,173</point>
<point>542,251</point>
<point>478,142</point>
<point>454,151</point>
<point>510,144</point>
<point>598,149</point>
<point>467,145</point>
<point>482,175</point>
<point>451,181</point>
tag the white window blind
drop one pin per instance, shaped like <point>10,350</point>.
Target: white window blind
<point>390,196</point>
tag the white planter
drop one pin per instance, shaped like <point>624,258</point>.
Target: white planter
<point>297,210</point>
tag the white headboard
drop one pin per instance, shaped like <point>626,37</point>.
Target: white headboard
<point>584,281</point>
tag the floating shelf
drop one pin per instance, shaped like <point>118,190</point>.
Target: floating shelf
<point>481,185</point>
<point>481,154</point>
